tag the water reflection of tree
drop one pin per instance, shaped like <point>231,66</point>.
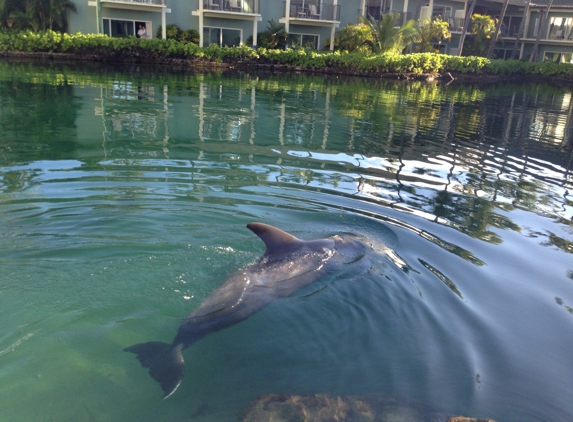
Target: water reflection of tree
<point>487,134</point>
<point>47,110</point>
<point>559,242</point>
<point>495,140</point>
<point>37,114</point>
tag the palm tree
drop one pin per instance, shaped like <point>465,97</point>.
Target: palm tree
<point>482,29</point>
<point>497,29</point>
<point>467,23</point>
<point>542,18</point>
<point>274,36</point>
<point>58,13</point>
<point>28,15</point>
<point>7,9</point>
<point>36,14</point>
<point>388,36</point>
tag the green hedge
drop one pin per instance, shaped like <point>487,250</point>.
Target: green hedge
<point>158,50</point>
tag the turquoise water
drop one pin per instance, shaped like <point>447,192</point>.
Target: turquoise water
<point>124,196</point>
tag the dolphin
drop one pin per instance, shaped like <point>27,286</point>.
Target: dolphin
<point>287,265</point>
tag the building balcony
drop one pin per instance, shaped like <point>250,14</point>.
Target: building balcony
<point>455,24</point>
<point>128,3</point>
<point>142,5</point>
<point>561,36</point>
<point>230,7</point>
<point>311,13</point>
<point>554,36</point>
<point>376,12</point>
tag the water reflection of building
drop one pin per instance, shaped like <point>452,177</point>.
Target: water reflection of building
<point>255,113</point>
<point>235,122</point>
<point>230,113</point>
<point>401,147</point>
<point>133,112</point>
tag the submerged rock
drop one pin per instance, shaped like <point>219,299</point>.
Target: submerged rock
<point>326,408</point>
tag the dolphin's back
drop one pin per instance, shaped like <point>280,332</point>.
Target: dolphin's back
<point>277,241</point>
<point>288,264</point>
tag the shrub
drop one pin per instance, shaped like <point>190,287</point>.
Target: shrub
<point>173,32</point>
<point>352,38</point>
<point>157,50</point>
<point>274,36</point>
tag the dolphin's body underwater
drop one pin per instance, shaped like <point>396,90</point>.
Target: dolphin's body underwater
<point>288,264</point>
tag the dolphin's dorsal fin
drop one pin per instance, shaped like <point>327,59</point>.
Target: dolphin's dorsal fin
<point>276,240</point>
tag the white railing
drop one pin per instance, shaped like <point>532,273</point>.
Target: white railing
<point>153,2</point>
<point>300,9</point>
<point>236,6</point>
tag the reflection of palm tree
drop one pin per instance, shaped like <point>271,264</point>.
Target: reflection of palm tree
<point>559,242</point>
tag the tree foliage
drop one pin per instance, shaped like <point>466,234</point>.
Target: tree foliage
<point>352,38</point>
<point>37,15</point>
<point>100,47</point>
<point>388,36</point>
<point>173,32</point>
<point>482,29</point>
<point>274,36</point>
<point>432,31</point>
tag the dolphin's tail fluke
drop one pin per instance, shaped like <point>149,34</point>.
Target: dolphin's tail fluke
<point>164,361</point>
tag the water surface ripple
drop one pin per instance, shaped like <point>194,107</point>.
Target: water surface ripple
<point>124,196</point>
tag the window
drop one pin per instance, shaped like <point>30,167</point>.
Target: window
<point>303,40</point>
<point>222,36</point>
<point>503,53</point>
<point>376,8</point>
<point>510,26</point>
<point>554,57</point>
<point>443,11</point>
<point>123,28</point>
<point>440,47</point>
<point>560,29</point>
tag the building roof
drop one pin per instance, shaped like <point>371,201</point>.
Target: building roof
<point>567,4</point>
<point>558,4</point>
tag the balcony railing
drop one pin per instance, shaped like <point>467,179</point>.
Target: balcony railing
<point>322,12</point>
<point>235,6</point>
<point>152,2</point>
<point>455,24</point>
<point>560,34</point>
<point>376,13</point>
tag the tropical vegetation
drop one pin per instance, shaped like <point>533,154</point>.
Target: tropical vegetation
<point>387,36</point>
<point>103,48</point>
<point>482,30</point>
<point>352,38</point>
<point>432,32</point>
<point>37,15</point>
<point>173,32</point>
<point>274,36</point>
